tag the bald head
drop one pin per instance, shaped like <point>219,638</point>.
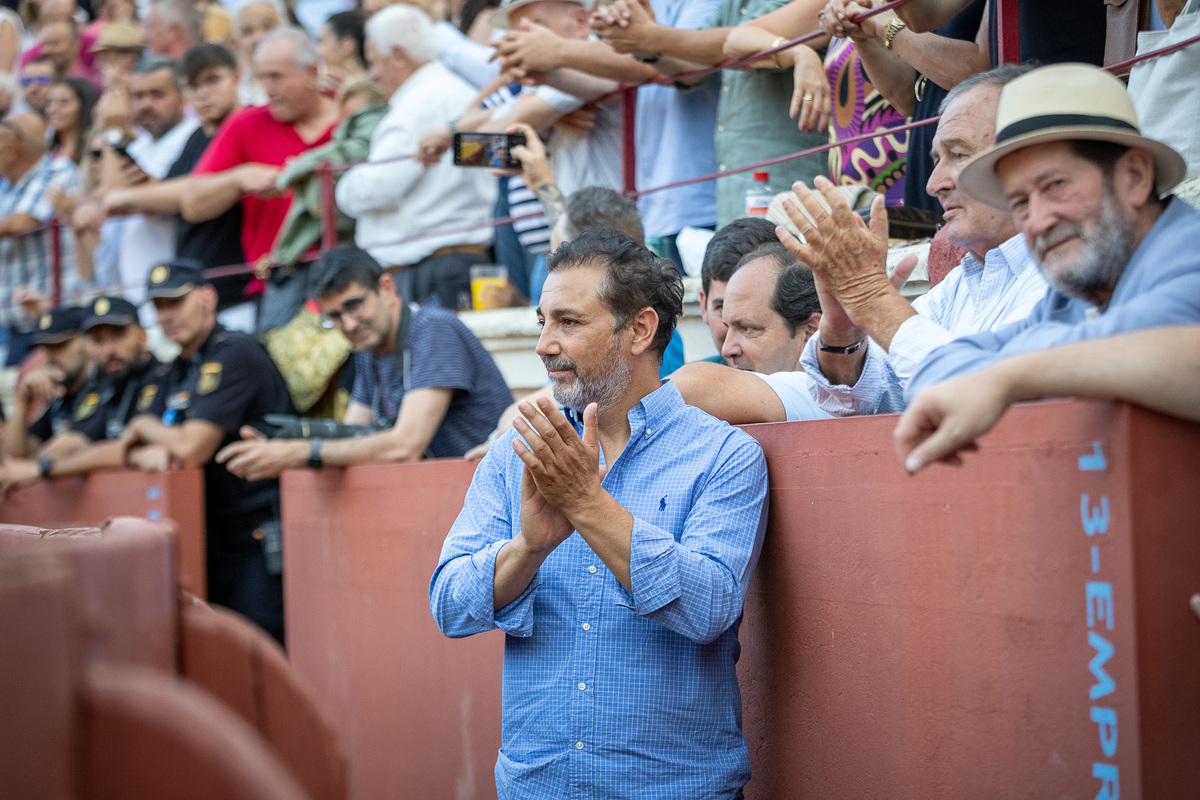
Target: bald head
<point>30,129</point>
<point>22,145</point>
<point>56,10</point>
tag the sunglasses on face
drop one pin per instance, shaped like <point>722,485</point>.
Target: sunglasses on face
<point>40,80</point>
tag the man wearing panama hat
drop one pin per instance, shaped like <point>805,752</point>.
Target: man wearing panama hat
<point>1084,187</point>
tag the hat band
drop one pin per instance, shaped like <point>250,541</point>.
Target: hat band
<point>1024,126</point>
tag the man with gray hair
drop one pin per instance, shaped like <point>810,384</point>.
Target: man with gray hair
<point>397,201</point>
<point>248,151</point>
<point>171,27</point>
<point>870,342</point>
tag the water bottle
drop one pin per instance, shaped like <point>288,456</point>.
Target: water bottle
<point>759,195</point>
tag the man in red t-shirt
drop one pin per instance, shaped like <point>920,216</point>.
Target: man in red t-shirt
<point>241,163</point>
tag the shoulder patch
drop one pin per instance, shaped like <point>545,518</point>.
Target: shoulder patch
<point>147,395</point>
<point>87,407</point>
<point>210,377</point>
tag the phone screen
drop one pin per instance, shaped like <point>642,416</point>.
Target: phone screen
<point>486,149</point>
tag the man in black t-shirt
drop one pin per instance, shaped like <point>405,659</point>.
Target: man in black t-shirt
<point>221,381</point>
<point>210,74</point>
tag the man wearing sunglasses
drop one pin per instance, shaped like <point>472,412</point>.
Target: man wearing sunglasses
<point>421,377</point>
<point>36,77</point>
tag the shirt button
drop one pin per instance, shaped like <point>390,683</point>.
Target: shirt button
<point>587,626</point>
<point>721,167</point>
<point>582,687</point>
<point>649,432</point>
<point>579,745</point>
<point>592,570</point>
<point>721,128</point>
<point>725,89</point>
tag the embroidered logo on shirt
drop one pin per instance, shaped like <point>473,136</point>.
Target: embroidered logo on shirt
<point>147,396</point>
<point>210,377</point>
<point>87,407</point>
<point>662,504</point>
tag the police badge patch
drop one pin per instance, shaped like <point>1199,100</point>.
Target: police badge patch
<point>146,398</point>
<point>210,378</point>
<point>87,407</point>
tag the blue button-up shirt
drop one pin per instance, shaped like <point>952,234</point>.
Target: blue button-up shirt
<point>1160,286</point>
<point>609,693</point>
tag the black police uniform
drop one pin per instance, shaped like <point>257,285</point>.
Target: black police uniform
<point>56,327</point>
<point>104,406</point>
<point>230,381</point>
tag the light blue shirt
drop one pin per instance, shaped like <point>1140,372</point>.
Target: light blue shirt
<point>975,296</point>
<point>609,693</point>
<point>675,137</point>
<point>1160,286</point>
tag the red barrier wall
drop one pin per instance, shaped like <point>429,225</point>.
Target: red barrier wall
<point>417,714</point>
<point>944,636</point>
<point>176,495</point>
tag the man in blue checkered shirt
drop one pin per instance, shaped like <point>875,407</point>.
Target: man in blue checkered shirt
<point>27,173</point>
<point>613,543</point>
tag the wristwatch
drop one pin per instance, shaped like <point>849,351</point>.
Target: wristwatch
<point>653,58</point>
<point>113,137</point>
<point>44,466</point>
<point>314,453</point>
<point>847,350</point>
<point>889,33</point>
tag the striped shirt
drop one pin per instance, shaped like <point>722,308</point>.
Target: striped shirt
<point>975,296</point>
<point>27,260</point>
<point>441,353</point>
<point>607,692</point>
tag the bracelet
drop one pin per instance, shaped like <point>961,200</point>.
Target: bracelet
<point>889,33</point>
<point>653,58</point>
<point>314,453</point>
<point>847,350</point>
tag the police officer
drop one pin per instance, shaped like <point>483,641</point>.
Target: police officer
<point>122,383</point>
<point>221,381</point>
<point>57,384</point>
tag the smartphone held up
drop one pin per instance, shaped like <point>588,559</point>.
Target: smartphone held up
<point>492,150</point>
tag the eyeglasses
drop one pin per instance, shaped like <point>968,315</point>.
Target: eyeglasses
<point>40,80</point>
<point>352,307</point>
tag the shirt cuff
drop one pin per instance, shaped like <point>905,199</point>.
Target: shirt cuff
<point>841,400</point>
<point>913,341</point>
<point>653,568</point>
<point>477,596</point>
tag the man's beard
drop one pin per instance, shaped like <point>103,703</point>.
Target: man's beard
<point>604,386</point>
<point>1093,274</point>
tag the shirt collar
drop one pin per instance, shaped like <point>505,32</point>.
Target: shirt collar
<point>426,72</point>
<point>652,412</point>
<point>1011,254</point>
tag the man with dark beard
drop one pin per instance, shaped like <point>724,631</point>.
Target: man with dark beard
<point>1083,185</point>
<point>420,377</point>
<point>613,542</point>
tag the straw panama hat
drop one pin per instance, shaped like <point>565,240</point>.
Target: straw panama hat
<point>500,17</point>
<point>1059,103</point>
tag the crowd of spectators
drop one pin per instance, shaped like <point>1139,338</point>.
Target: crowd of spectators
<point>165,164</point>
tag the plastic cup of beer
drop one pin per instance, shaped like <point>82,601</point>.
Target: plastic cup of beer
<point>489,286</point>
